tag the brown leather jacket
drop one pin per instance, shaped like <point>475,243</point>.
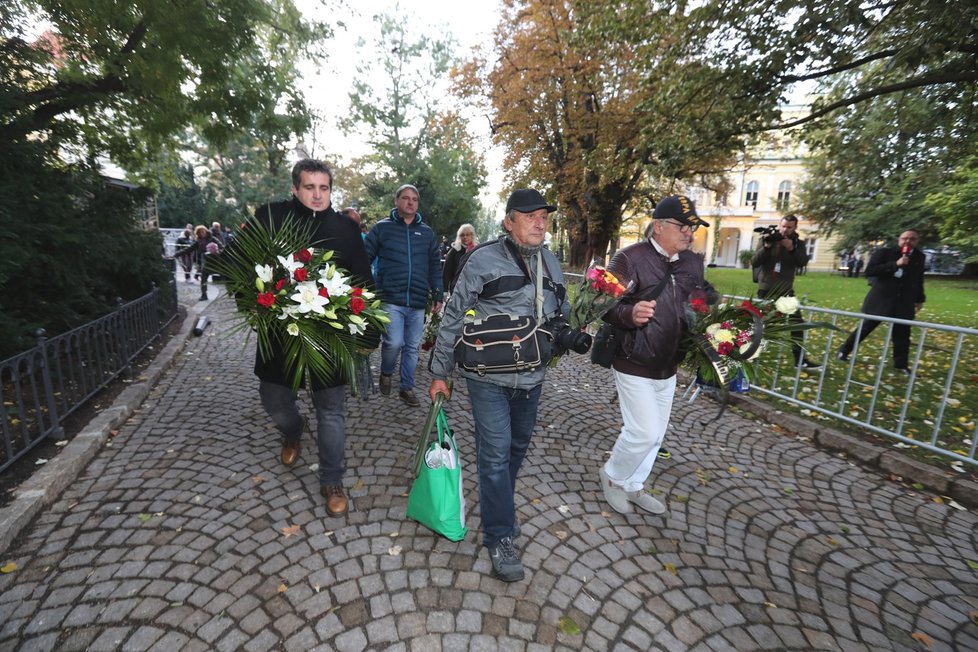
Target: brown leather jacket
<point>653,351</point>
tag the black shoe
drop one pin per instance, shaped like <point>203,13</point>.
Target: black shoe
<point>843,356</point>
<point>902,370</point>
<point>808,364</point>
<point>506,564</point>
<point>407,395</point>
<point>385,384</point>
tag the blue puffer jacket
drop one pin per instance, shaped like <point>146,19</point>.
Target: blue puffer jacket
<point>408,262</point>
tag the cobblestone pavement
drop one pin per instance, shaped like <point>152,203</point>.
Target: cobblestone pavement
<point>174,537</point>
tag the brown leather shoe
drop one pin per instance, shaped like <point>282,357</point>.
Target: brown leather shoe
<point>336,502</point>
<point>290,451</point>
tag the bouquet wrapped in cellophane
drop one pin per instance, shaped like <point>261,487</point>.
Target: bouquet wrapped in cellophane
<point>599,290</point>
<point>296,300</point>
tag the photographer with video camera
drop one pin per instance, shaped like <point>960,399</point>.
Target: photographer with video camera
<point>779,256</point>
<point>646,363</point>
<point>515,282</point>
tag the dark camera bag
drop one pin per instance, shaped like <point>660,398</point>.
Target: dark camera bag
<point>605,345</point>
<point>502,344</point>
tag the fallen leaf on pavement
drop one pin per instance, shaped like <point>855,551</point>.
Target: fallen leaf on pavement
<point>564,509</point>
<point>257,479</point>
<point>394,551</point>
<point>733,469</point>
<point>671,568</point>
<point>289,530</point>
<point>9,567</point>
<point>568,626</point>
<point>358,484</point>
<point>282,588</point>
<point>923,638</point>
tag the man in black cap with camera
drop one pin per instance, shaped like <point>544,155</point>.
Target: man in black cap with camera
<point>661,273</point>
<point>778,258</point>
<point>506,276</point>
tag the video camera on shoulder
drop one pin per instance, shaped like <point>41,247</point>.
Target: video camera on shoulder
<point>771,235</point>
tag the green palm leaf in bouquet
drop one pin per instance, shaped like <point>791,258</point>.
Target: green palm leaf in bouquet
<point>297,302</point>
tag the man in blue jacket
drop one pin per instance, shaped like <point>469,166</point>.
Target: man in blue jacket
<point>408,273</point>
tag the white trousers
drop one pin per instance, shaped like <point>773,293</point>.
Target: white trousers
<point>646,404</point>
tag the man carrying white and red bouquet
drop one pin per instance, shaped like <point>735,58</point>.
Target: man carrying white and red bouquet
<point>312,185</point>
<point>663,273</point>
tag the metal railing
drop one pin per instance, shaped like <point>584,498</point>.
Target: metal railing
<point>41,387</point>
<point>934,407</point>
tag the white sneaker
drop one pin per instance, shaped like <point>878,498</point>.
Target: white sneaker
<point>645,500</point>
<point>614,494</point>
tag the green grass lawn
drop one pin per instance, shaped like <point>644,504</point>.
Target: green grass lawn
<point>874,392</point>
<point>949,301</point>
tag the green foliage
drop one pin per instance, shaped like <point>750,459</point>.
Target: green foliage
<point>413,141</point>
<point>894,101</point>
<point>873,165</point>
<point>123,80</point>
<point>71,246</point>
<point>956,204</point>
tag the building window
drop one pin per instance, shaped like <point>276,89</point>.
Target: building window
<point>810,248</point>
<point>750,197</point>
<point>784,195</point>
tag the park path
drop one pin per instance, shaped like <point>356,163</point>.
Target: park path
<point>176,537</point>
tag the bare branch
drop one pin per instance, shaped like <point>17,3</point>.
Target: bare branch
<point>916,82</point>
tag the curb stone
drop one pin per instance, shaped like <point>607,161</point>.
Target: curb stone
<point>44,486</point>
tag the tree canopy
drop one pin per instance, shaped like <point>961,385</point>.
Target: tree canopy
<point>895,103</point>
<point>413,137</point>
<point>123,78</point>
<point>607,106</point>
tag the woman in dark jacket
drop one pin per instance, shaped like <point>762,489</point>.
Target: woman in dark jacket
<point>464,241</point>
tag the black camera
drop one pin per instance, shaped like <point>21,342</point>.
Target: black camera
<point>769,234</point>
<point>565,338</point>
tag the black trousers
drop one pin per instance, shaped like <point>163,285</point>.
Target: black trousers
<point>901,341</point>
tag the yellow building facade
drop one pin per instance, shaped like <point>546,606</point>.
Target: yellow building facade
<point>764,187</point>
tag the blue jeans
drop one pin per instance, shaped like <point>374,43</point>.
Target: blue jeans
<point>504,420</point>
<point>403,337</point>
<point>279,402</point>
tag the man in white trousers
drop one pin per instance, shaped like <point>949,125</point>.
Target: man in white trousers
<point>649,354</point>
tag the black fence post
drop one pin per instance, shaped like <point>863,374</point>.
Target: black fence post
<point>57,431</point>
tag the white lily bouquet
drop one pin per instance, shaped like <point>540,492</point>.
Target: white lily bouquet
<point>294,298</point>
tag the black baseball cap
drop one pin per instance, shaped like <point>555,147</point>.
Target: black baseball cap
<point>527,200</point>
<point>680,208</point>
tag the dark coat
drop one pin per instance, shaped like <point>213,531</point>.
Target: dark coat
<point>332,231</point>
<point>408,261</point>
<point>771,283</point>
<point>890,296</point>
<point>653,351</point>
<point>452,260</point>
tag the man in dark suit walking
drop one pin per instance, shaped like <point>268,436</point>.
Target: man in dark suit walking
<point>896,276</point>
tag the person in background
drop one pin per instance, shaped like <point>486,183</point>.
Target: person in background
<point>465,241</point>
<point>646,363</point>
<point>896,276</point>
<point>218,234</point>
<point>778,258</point>
<point>185,252</point>
<point>408,275</point>
<point>501,277</point>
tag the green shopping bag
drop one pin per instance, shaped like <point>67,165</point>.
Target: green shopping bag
<point>436,499</point>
